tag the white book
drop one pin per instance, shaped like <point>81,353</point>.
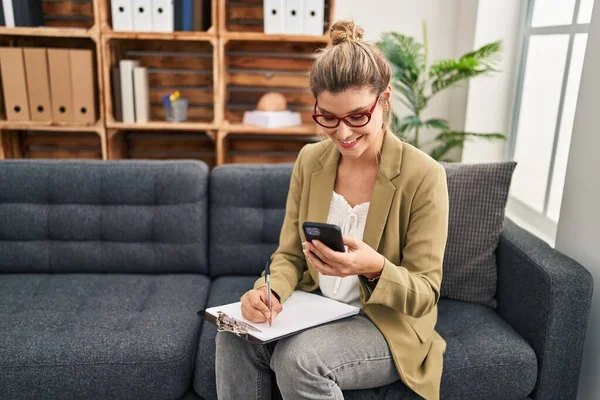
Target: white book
<point>127,94</point>
<point>142,15</point>
<point>301,311</point>
<point>162,16</point>
<point>294,17</point>
<point>142,99</point>
<point>9,14</point>
<point>274,17</point>
<point>122,15</point>
<point>314,17</point>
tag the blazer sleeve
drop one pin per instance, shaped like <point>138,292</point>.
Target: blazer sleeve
<point>288,262</point>
<point>413,288</point>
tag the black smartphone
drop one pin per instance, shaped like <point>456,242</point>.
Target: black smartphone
<point>328,234</point>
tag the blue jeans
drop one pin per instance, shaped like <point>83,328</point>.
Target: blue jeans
<point>315,364</point>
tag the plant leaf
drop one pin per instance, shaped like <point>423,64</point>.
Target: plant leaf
<point>447,72</point>
<point>440,151</point>
<point>405,56</point>
<point>459,135</point>
<point>437,123</point>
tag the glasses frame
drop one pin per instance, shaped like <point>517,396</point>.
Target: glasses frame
<point>369,113</point>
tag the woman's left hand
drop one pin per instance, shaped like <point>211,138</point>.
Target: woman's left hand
<point>360,259</point>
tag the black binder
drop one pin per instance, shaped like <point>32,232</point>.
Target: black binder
<point>28,12</point>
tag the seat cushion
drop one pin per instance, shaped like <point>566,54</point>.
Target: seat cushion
<point>223,290</point>
<point>98,336</point>
<point>485,357</point>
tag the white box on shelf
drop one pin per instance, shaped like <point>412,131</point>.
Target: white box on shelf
<point>122,15</point>
<point>314,17</point>
<point>162,16</point>
<point>294,17</point>
<point>274,16</point>
<point>142,15</point>
<point>272,119</point>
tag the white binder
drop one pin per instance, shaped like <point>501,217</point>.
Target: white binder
<point>122,15</point>
<point>142,15</point>
<point>294,16</point>
<point>142,99</point>
<point>162,16</point>
<point>314,17</point>
<point>274,17</point>
<point>9,14</point>
<point>127,94</point>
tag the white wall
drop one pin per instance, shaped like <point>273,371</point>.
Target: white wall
<point>491,99</point>
<point>578,233</point>
<point>450,26</point>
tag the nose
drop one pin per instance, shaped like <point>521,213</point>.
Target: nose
<point>343,131</point>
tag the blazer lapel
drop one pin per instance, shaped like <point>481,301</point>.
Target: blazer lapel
<point>384,191</point>
<point>321,191</point>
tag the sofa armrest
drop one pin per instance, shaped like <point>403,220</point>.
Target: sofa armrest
<point>545,296</point>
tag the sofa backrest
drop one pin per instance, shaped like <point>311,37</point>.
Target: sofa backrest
<point>247,207</point>
<point>103,216</point>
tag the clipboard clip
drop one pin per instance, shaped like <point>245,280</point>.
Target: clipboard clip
<point>225,323</point>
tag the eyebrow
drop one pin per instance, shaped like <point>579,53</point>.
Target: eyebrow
<point>351,112</point>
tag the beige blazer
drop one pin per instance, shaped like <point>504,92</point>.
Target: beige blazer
<point>407,223</point>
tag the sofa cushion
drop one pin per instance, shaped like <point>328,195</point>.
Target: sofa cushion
<point>223,290</point>
<point>88,216</point>
<point>477,196</point>
<point>247,210</point>
<point>98,336</point>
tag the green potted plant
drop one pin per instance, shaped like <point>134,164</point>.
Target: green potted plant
<point>417,83</point>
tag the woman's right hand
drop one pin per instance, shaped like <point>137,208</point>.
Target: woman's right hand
<point>254,305</point>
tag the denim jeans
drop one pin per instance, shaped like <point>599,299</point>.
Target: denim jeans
<point>315,364</point>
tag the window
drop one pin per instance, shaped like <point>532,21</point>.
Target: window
<point>554,41</point>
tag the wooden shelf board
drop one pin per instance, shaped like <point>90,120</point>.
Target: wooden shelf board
<point>259,36</point>
<point>48,126</point>
<point>305,129</point>
<point>163,125</point>
<point>49,32</point>
<point>189,36</point>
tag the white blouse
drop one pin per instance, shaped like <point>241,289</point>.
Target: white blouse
<point>352,222</point>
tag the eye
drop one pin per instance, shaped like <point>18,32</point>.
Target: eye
<point>358,117</point>
<point>328,119</point>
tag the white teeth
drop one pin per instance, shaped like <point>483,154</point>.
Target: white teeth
<point>351,141</point>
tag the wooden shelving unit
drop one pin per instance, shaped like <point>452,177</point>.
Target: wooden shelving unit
<point>69,24</point>
<point>222,71</point>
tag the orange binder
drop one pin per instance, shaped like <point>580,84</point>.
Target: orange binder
<point>82,83</point>
<point>59,65</point>
<point>14,84</point>
<point>38,84</point>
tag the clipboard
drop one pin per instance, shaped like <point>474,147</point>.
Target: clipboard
<point>301,311</point>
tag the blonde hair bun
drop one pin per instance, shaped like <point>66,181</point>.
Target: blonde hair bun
<point>345,31</point>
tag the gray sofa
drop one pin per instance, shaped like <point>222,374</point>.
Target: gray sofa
<point>103,266</point>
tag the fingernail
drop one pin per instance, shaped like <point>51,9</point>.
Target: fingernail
<point>274,314</point>
<point>304,246</point>
<point>267,314</point>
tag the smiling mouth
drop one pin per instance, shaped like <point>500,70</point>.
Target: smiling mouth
<point>350,143</point>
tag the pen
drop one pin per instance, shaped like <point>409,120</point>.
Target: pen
<point>268,280</point>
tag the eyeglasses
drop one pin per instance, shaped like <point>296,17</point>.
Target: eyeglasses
<point>354,120</point>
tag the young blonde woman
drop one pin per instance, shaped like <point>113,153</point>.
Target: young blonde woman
<point>391,201</point>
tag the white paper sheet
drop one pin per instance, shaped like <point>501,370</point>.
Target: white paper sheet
<point>301,310</point>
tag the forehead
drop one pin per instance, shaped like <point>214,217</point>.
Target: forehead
<point>347,101</point>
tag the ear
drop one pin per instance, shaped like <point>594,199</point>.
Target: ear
<point>387,93</point>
